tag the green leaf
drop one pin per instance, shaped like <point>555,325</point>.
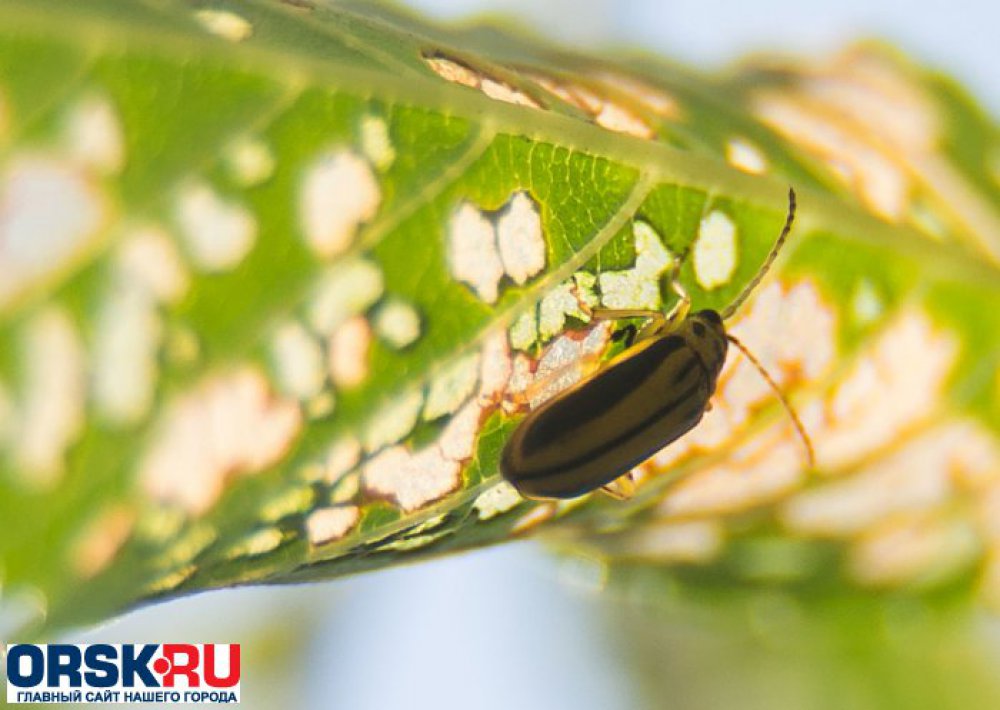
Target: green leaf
<point>271,274</point>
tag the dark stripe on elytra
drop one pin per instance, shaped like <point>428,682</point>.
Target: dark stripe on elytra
<point>663,411</point>
<point>605,391</point>
<point>569,484</point>
<point>685,371</point>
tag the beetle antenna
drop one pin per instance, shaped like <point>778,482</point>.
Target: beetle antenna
<point>810,454</point>
<point>789,219</point>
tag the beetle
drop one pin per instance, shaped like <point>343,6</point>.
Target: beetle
<point>591,435</point>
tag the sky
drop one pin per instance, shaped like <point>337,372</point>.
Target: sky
<point>958,36</point>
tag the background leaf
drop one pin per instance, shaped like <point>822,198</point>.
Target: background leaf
<point>301,255</point>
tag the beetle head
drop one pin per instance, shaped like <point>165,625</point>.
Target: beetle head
<point>705,334</point>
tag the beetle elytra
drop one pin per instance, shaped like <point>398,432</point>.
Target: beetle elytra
<point>591,435</point>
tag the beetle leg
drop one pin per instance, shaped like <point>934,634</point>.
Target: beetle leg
<point>655,321</point>
<point>654,327</point>
<point>622,488</point>
<point>622,313</point>
<point>516,401</point>
<point>680,310</point>
<point>548,384</point>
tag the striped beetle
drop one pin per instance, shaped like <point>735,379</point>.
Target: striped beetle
<point>591,435</point>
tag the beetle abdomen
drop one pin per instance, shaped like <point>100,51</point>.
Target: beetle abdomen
<point>598,430</point>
